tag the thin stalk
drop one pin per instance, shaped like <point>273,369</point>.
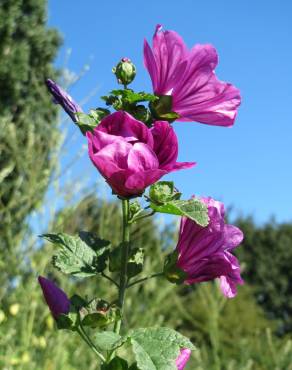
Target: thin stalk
<point>124,262</point>
<point>145,278</point>
<point>110,279</point>
<point>88,341</point>
<point>134,219</point>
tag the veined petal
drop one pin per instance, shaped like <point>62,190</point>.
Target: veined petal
<point>169,51</point>
<point>202,61</point>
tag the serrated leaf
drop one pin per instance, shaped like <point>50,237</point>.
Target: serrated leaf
<point>76,257</point>
<point>193,209</point>
<point>157,348</point>
<point>135,260</point>
<point>108,340</point>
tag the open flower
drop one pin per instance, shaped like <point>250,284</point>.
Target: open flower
<point>56,299</point>
<point>130,156</point>
<point>64,99</point>
<point>183,358</point>
<point>188,77</point>
<point>204,253</point>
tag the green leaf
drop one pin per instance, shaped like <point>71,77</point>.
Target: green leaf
<point>132,97</point>
<point>85,122</point>
<point>193,209</point>
<point>157,348</point>
<point>116,363</point>
<point>81,256</point>
<point>108,340</point>
<point>135,260</point>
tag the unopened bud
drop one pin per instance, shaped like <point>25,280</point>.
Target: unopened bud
<point>125,71</point>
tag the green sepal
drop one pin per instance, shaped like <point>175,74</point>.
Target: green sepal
<point>161,108</point>
<point>163,191</point>
<point>98,313</point>
<point>173,273</point>
<point>77,302</point>
<point>135,260</point>
<point>99,113</point>
<point>117,363</point>
<point>65,322</point>
<point>192,208</point>
<point>82,256</point>
<point>88,122</point>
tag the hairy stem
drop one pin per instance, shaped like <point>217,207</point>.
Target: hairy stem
<point>124,262</point>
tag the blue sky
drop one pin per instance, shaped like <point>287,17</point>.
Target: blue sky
<point>247,166</point>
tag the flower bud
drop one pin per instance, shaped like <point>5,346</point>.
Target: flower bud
<point>61,97</point>
<point>56,299</point>
<point>125,71</point>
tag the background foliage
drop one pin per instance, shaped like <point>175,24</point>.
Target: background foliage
<point>252,331</point>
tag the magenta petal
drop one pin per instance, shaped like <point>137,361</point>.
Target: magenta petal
<point>140,180</point>
<point>129,155</point>
<point>203,252</point>
<point>189,77</point>
<point>150,65</point>
<point>183,165</point>
<point>123,124</point>
<point>142,158</point>
<point>233,236</point>
<point>111,158</point>
<point>165,144</point>
<point>183,358</point>
<point>202,61</point>
<point>56,299</point>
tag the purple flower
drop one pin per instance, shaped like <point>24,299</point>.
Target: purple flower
<point>130,156</point>
<point>204,253</point>
<point>188,76</point>
<point>64,99</point>
<point>56,299</point>
<point>183,358</point>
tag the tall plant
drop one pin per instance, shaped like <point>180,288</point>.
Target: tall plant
<point>133,148</point>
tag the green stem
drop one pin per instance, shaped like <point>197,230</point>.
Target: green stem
<point>124,262</point>
<point>145,278</point>
<point>88,341</point>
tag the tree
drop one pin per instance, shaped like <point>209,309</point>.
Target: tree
<point>266,255</point>
<point>28,132</point>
